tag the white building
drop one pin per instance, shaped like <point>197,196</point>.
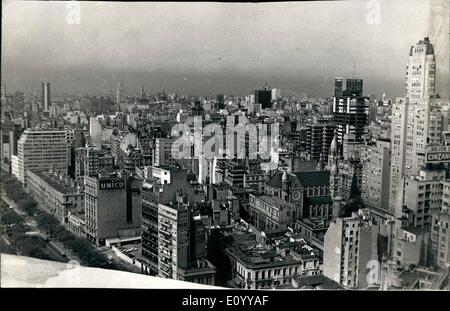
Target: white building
<point>40,149</point>
<point>95,132</point>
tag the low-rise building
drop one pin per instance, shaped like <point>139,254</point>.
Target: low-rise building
<point>270,212</point>
<point>257,267</point>
<point>60,194</point>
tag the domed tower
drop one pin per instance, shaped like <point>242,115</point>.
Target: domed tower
<point>334,180</point>
<point>333,166</point>
<point>334,152</point>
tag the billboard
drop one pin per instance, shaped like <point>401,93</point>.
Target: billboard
<point>107,184</point>
<point>437,154</point>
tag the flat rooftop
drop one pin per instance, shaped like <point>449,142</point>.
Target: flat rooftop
<point>55,182</point>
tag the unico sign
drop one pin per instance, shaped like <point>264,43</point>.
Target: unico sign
<point>107,184</point>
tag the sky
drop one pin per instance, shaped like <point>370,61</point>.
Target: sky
<point>209,48</point>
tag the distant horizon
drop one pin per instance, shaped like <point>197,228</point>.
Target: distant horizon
<point>205,49</point>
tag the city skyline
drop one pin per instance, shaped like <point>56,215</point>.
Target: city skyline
<point>270,146</point>
<point>206,49</point>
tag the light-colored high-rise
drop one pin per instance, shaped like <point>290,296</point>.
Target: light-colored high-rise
<point>416,120</point>
<point>375,186</point>
<point>40,149</point>
<point>398,141</point>
<point>420,71</point>
<point>45,96</point>
<point>95,132</point>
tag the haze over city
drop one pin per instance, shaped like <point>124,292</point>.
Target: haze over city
<point>209,48</point>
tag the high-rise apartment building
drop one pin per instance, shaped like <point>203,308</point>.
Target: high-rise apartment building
<point>398,147</point>
<point>182,244</point>
<point>349,244</point>
<point>375,157</point>
<point>162,186</point>
<point>163,152</point>
<point>423,196</point>
<point>40,149</point>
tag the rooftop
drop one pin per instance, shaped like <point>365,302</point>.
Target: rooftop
<point>258,256</point>
<point>63,186</point>
<point>306,178</point>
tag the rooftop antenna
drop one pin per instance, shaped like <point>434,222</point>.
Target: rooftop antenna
<point>354,70</point>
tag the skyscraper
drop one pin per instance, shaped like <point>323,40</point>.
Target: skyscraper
<point>264,97</point>
<point>45,95</point>
<point>338,82</point>
<point>354,87</point>
<point>416,121</point>
<point>350,110</point>
<point>95,132</point>
<point>420,71</point>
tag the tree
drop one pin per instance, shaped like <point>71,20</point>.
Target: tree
<point>47,222</point>
<point>66,236</point>
<point>11,218</point>
<point>28,204</point>
<point>57,231</point>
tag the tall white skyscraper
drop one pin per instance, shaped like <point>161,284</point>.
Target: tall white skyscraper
<point>45,95</point>
<point>398,137</point>
<point>420,71</point>
<point>416,121</point>
<point>95,132</point>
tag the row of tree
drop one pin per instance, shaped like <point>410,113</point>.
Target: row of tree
<point>26,245</point>
<point>15,191</point>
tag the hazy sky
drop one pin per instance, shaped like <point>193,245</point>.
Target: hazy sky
<point>209,48</point>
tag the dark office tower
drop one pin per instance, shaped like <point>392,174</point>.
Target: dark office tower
<point>264,97</point>
<point>220,101</point>
<point>351,112</point>
<point>354,87</point>
<point>318,139</point>
<point>338,83</point>
<point>45,95</point>
<point>150,201</point>
<point>314,140</point>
